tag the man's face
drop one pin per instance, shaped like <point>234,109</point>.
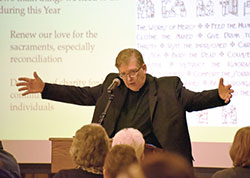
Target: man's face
<point>133,76</point>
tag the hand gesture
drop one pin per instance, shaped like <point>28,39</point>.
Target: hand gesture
<point>30,85</point>
<point>225,92</point>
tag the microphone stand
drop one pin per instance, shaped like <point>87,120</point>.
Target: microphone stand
<point>104,113</point>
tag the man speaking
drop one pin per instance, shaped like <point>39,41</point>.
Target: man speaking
<point>155,106</point>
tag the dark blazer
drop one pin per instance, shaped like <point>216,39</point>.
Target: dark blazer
<point>168,103</point>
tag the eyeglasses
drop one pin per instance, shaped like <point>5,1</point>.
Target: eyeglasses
<point>130,74</point>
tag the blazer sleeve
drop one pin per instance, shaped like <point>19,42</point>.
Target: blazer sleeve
<point>195,101</point>
<point>72,94</point>
<point>87,96</point>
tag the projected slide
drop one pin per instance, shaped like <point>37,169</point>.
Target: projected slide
<point>75,42</point>
<point>72,42</point>
<point>200,42</point>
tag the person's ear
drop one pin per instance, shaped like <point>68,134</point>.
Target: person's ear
<point>105,174</point>
<point>142,157</point>
<point>144,67</point>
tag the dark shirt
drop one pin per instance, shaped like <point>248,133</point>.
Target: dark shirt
<point>135,113</point>
<point>8,164</point>
<point>76,173</point>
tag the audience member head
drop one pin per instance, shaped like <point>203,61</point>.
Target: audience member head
<point>133,171</point>
<point>166,165</point>
<point>240,149</point>
<point>132,137</point>
<point>89,147</point>
<point>119,158</point>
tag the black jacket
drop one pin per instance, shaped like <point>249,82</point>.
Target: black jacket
<point>168,103</point>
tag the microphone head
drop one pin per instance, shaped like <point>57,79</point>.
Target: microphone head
<point>116,82</point>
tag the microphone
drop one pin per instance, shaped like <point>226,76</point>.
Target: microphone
<point>116,82</point>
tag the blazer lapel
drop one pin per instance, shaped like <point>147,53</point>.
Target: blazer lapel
<point>120,96</point>
<point>115,108</point>
<point>152,95</point>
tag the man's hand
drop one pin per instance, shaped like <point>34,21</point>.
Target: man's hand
<point>225,92</point>
<point>30,85</point>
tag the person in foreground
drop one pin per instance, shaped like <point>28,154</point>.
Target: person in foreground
<point>160,165</point>
<point>240,155</point>
<point>155,106</point>
<point>119,158</point>
<point>9,167</point>
<point>167,165</point>
<point>88,150</point>
<point>132,137</point>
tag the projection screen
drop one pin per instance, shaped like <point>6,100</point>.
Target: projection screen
<point>75,42</point>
